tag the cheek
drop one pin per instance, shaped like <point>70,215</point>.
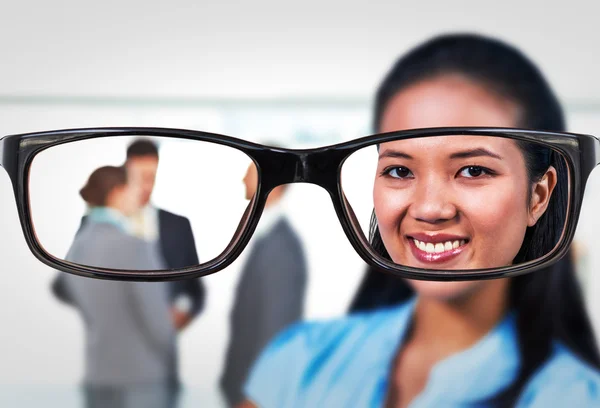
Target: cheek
<point>498,218</point>
<point>250,184</point>
<point>496,208</point>
<point>389,205</point>
<point>390,208</point>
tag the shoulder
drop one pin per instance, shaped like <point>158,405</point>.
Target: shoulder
<point>96,240</point>
<point>170,215</point>
<point>172,218</point>
<point>564,380</point>
<point>299,355</point>
<point>284,226</point>
<point>101,234</point>
<point>284,237</point>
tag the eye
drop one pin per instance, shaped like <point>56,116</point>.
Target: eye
<point>398,172</point>
<point>475,171</point>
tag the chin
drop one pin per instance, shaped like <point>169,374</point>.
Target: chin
<point>443,291</point>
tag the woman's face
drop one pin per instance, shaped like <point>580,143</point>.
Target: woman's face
<point>453,202</point>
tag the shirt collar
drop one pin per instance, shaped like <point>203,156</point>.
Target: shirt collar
<point>149,208</point>
<point>109,216</point>
<point>481,371</point>
<point>145,223</point>
<point>472,375</point>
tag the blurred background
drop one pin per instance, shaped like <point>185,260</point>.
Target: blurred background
<point>300,75</point>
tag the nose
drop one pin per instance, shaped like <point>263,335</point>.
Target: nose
<point>433,201</point>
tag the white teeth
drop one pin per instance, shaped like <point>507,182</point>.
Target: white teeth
<point>439,247</point>
<point>417,243</point>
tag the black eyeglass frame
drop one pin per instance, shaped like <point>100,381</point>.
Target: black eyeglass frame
<point>277,166</point>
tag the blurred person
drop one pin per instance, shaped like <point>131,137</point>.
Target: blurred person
<point>270,293</point>
<point>172,232</point>
<point>129,334</point>
<point>525,341</point>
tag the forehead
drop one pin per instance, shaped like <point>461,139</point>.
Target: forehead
<point>444,147</point>
<point>143,163</point>
<point>449,100</point>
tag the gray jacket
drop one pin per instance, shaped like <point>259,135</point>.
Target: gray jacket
<point>130,338</point>
<point>269,297</point>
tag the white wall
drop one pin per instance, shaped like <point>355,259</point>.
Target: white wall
<point>208,66</point>
<point>269,48</point>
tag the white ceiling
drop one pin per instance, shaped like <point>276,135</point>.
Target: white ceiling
<point>268,49</point>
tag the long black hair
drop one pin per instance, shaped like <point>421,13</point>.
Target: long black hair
<point>549,303</point>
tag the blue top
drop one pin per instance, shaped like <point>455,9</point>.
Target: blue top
<point>346,363</point>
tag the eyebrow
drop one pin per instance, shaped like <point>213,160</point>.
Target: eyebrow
<point>395,154</point>
<point>466,154</point>
<point>474,153</point>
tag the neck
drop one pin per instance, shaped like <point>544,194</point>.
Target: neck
<point>449,326</point>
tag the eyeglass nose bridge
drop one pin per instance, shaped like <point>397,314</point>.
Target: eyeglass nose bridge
<point>318,167</point>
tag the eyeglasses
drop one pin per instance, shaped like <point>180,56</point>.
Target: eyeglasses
<point>431,204</point>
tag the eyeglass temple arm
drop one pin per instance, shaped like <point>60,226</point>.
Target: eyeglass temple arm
<point>596,143</point>
<point>2,152</point>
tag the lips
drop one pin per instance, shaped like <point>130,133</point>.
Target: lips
<point>436,248</point>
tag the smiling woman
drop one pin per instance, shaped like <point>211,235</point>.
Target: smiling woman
<point>456,201</point>
<point>459,202</point>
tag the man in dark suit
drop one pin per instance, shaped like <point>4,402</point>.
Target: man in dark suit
<point>270,292</point>
<point>174,232</point>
